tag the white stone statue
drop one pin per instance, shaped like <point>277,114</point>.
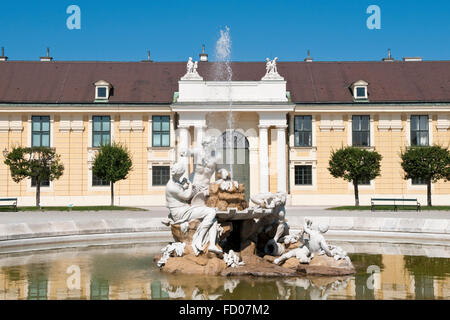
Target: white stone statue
<point>232,259</point>
<point>276,218</point>
<point>271,66</point>
<point>225,182</point>
<point>205,167</point>
<point>179,193</point>
<point>271,70</point>
<point>191,71</point>
<point>302,254</point>
<point>315,244</point>
<point>173,249</point>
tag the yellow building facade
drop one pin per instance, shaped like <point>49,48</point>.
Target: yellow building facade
<point>285,127</point>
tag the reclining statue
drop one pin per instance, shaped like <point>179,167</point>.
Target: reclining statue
<point>315,244</point>
<point>179,193</point>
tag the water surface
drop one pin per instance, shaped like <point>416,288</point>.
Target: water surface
<point>128,272</point>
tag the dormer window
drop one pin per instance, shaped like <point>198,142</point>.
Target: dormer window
<point>359,90</point>
<point>102,90</point>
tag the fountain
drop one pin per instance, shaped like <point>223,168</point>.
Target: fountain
<point>223,68</point>
<point>216,230</point>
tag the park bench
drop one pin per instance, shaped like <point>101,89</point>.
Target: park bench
<point>396,202</point>
<point>12,203</point>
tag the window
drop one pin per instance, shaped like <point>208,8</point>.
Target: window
<point>99,289</point>
<point>45,183</point>
<point>101,134</point>
<point>37,287</point>
<point>361,92</point>
<point>361,131</point>
<point>97,182</point>
<point>160,175</point>
<point>101,92</point>
<point>40,131</point>
<point>419,131</point>
<point>303,131</point>
<point>418,181</point>
<point>364,182</point>
<point>161,131</point>
<point>303,175</point>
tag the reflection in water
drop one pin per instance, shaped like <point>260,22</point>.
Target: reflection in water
<point>129,272</point>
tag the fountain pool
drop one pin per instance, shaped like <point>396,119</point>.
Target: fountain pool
<point>127,271</point>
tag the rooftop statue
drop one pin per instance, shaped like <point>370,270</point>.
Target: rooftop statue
<point>271,70</point>
<point>191,71</point>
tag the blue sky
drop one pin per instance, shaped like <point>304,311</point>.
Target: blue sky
<point>174,30</point>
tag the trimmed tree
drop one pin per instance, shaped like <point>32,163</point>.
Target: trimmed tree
<point>112,163</point>
<point>38,163</point>
<point>428,163</point>
<point>355,165</point>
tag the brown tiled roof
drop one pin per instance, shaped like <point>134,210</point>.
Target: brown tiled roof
<point>155,82</point>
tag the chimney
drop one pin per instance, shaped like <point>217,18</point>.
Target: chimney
<point>3,57</point>
<point>389,57</point>
<point>308,58</point>
<point>407,59</point>
<point>47,58</point>
<point>203,55</point>
<point>148,57</point>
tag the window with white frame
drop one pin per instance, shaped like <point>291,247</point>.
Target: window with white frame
<point>160,175</point>
<point>303,175</point>
<point>161,131</point>
<point>97,182</point>
<point>364,182</point>
<point>359,89</point>
<point>361,131</point>
<point>101,131</point>
<point>419,130</point>
<point>418,181</point>
<point>303,131</point>
<point>40,136</point>
<point>102,90</point>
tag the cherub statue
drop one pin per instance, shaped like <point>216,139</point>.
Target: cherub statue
<point>315,243</point>
<point>225,182</point>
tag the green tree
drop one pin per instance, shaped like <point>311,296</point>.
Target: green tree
<point>38,163</point>
<point>428,163</point>
<point>355,165</point>
<point>112,163</point>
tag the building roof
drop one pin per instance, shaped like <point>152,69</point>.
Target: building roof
<point>156,82</point>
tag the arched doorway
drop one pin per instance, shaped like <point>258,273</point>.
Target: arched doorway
<point>234,148</point>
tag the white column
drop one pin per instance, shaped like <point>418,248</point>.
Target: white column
<point>281,157</point>
<point>263,159</point>
<point>199,132</point>
<point>184,147</point>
